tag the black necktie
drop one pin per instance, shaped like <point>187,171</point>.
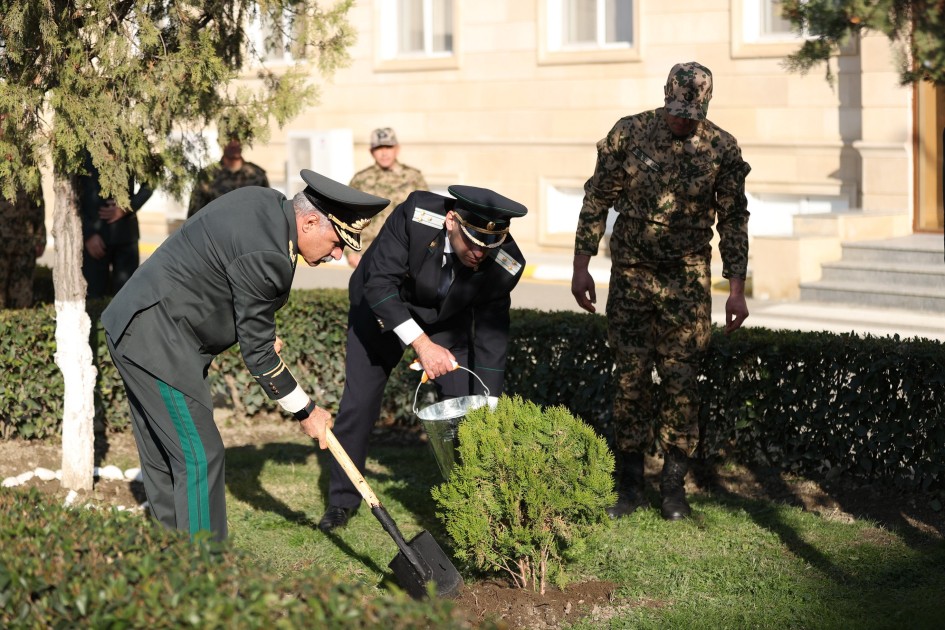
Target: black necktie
<point>446,277</point>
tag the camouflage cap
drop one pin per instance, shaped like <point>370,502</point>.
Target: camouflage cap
<point>688,90</point>
<point>383,137</point>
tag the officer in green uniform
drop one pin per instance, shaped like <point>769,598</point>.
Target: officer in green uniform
<point>670,174</point>
<point>217,281</point>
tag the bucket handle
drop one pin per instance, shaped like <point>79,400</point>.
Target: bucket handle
<point>416,366</point>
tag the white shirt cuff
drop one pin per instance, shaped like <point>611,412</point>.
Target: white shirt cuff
<point>295,401</point>
<point>408,331</point>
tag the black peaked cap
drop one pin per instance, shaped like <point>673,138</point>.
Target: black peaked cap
<point>350,210</point>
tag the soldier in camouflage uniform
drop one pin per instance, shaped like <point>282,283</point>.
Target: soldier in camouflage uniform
<point>23,234</point>
<point>230,173</point>
<point>669,173</point>
<point>385,178</point>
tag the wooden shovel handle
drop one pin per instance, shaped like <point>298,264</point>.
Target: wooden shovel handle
<point>350,469</point>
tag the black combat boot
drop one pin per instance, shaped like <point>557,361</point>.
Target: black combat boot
<point>629,477</point>
<point>673,485</point>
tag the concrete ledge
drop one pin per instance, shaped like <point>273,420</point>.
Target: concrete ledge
<point>781,264</point>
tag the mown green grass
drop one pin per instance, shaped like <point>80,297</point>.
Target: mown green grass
<point>738,563</point>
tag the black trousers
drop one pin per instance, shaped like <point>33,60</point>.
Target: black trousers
<point>107,275</point>
<point>370,357</point>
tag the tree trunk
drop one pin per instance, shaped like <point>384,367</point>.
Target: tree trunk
<point>73,353</point>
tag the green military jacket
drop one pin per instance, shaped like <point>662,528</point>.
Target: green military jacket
<point>394,183</point>
<point>668,194</point>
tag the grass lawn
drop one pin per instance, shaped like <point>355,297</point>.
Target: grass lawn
<point>739,563</point>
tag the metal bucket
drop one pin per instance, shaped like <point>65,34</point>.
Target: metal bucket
<point>441,422</point>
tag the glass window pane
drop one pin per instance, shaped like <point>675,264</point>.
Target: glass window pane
<point>774,22</point>
<point>618,16</point>
<point>442,26</point>
<point>579,23</point>
<point>410,24</point>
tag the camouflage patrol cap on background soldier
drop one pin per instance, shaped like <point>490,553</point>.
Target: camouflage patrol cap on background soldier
<point>688,90</point>
<point>383,137</point>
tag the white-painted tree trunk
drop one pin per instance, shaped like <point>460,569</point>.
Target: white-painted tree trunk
<point>73,353</point>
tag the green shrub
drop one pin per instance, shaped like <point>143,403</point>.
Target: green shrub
<point>813,403</point>
<point>822,404</point>
<point>81,568</point>
<point>530,486</point>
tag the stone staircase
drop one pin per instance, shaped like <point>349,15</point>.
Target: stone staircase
<point>906,272</point>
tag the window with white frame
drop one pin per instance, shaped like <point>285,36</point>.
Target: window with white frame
<point>775,24</point>
<point>763,21</point>
<point>562,202</point>
<point>270,36</point>
<point>416,28</point>
<point>773,214</point>
<point>759,29</point>
<point>588,31</point>
<point>594,24</point>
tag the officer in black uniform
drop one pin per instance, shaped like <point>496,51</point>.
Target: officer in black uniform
<point>110,233</point>
<point>220,280</point>
<point>438,278</point>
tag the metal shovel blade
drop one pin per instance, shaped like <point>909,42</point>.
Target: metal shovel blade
<point>434,564</point>
<point>419,561</point>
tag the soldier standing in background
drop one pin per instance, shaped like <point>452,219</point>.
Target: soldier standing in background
<point>23,233</point>
<point>385,178</point>
<point>668,173</point>
<point>230,173</point>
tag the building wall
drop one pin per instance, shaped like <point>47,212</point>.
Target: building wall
<point>501,115</point>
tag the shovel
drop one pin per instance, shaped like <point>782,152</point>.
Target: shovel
<point>419,561</point>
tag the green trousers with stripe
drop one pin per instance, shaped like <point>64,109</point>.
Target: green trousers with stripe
<point>181,452</point>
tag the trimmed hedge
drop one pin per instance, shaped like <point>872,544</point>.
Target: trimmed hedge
<point>79,568</point>
<point>813,403</point>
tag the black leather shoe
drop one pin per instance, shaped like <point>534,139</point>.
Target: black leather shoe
<point>335,517</point>
<point>628,502</point>
<point>675,507</point>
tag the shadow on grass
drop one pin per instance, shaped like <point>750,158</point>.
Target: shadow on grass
<point>415,473</point>
<point>244,465</point>
<point>887,507</point>
<point>878,593</point>
<point>764,514</point>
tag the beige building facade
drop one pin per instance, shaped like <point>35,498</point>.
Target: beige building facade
<point>514,95</point>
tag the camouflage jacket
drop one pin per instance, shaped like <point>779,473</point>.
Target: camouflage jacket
<point>394,183</point>
<point>22,222</point>
<point>215,181</point>
<point>667,193</point>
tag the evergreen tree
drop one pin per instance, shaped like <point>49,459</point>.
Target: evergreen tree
<point>916,28</point>
<point>134,83</point>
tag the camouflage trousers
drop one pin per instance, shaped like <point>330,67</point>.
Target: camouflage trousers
<point>16,278</point>
<point>659,326</point>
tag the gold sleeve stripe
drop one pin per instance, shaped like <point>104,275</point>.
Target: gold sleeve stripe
<point>274,371</point>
